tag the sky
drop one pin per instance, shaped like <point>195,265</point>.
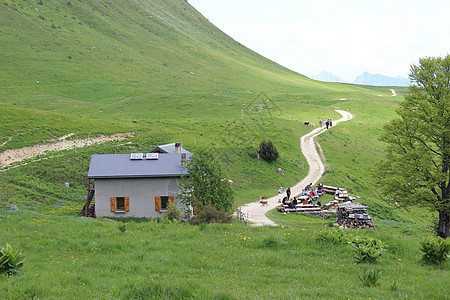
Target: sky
<point>343,37</point>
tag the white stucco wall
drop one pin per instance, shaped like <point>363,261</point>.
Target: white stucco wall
<point>141,191</point>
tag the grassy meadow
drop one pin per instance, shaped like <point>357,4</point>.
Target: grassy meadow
<point>161,70</point>
<point>69,257</point>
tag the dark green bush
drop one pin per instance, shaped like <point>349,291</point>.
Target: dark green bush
<point>366,249</point>
<point>267,151</point>
<point>332,235</point>
<point>210,215</point>
<point>435,250</point>
<point>11,261</point>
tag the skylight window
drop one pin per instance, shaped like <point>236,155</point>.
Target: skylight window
<point>137,156</point>
<point>152,156</point>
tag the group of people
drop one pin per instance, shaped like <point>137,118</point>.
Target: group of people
<point>328,123</point>
<point>309,191</point>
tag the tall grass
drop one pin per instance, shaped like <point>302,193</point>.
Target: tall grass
<point>77,257</point>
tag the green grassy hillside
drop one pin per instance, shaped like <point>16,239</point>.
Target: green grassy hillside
<point>158,68</point>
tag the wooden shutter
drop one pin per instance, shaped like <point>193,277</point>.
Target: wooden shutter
<point>113,204</point>
<point>171,199</point>
<point>157,203</point>
<point>127,203</point>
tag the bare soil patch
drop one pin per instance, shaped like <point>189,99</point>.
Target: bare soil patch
<point>11,156</point>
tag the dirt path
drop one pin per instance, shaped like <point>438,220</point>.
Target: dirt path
<point>257,213</point>
<point>17,155</point>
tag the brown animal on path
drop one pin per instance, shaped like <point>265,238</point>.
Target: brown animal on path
<point>263,201</point>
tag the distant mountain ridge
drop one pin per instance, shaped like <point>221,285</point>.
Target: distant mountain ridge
<point>381,80</point>
<point>328,77</point>
<point>366,79</point>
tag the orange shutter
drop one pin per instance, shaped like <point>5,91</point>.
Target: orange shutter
<point>171,199</point>
<point>157,203</point>
<point>127,203</point>
<point>113,204</point>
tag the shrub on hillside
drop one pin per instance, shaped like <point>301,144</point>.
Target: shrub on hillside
<point>267,151</point>
<point>367,249</point>
<point>435,250</point>
<point>331,235</point>
<point>210,215</point>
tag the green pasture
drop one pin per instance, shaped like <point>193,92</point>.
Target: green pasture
<point>69,257</point>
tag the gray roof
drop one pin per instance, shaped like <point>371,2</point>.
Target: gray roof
<point>168,148</point>
<point>121,166</point>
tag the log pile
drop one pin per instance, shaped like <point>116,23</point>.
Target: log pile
<point>353,215</point>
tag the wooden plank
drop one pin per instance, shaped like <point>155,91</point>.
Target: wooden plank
<point>330,189</point>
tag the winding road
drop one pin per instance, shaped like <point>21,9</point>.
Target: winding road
<point>257,213</point>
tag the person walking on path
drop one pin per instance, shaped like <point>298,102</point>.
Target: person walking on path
<point>288,193</point>
<point>280,194</point>
<point>331,123</point>
<point>320,122</point>
<point>327,123</point>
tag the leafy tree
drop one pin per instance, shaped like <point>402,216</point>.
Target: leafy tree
<point>206,184</point>
<point>267,151</point>
<point>416,169</point>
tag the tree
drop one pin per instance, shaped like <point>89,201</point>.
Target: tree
<point>416,169</point>
<point>267,151</point>
<point>206,184</point>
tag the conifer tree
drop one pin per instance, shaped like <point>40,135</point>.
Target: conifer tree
<point>267,151</point>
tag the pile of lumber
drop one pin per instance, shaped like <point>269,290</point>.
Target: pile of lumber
<point>353,215</point>
<point>329,189</point>
<point>340,195</point>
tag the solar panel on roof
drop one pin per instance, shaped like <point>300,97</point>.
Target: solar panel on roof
<point>152,156</point>
<point>136,156</point>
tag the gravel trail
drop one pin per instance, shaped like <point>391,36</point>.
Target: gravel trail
<point>257,213</point>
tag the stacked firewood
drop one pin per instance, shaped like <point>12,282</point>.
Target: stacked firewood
<point>353,215</point>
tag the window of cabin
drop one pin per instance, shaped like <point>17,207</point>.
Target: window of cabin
<point>120,204</point>
<point>162,202</point>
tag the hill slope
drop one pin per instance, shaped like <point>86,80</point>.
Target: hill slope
<point>80,49</point>
<point>160,69</point>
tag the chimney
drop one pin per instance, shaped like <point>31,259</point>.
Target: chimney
<point>178,147</point>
